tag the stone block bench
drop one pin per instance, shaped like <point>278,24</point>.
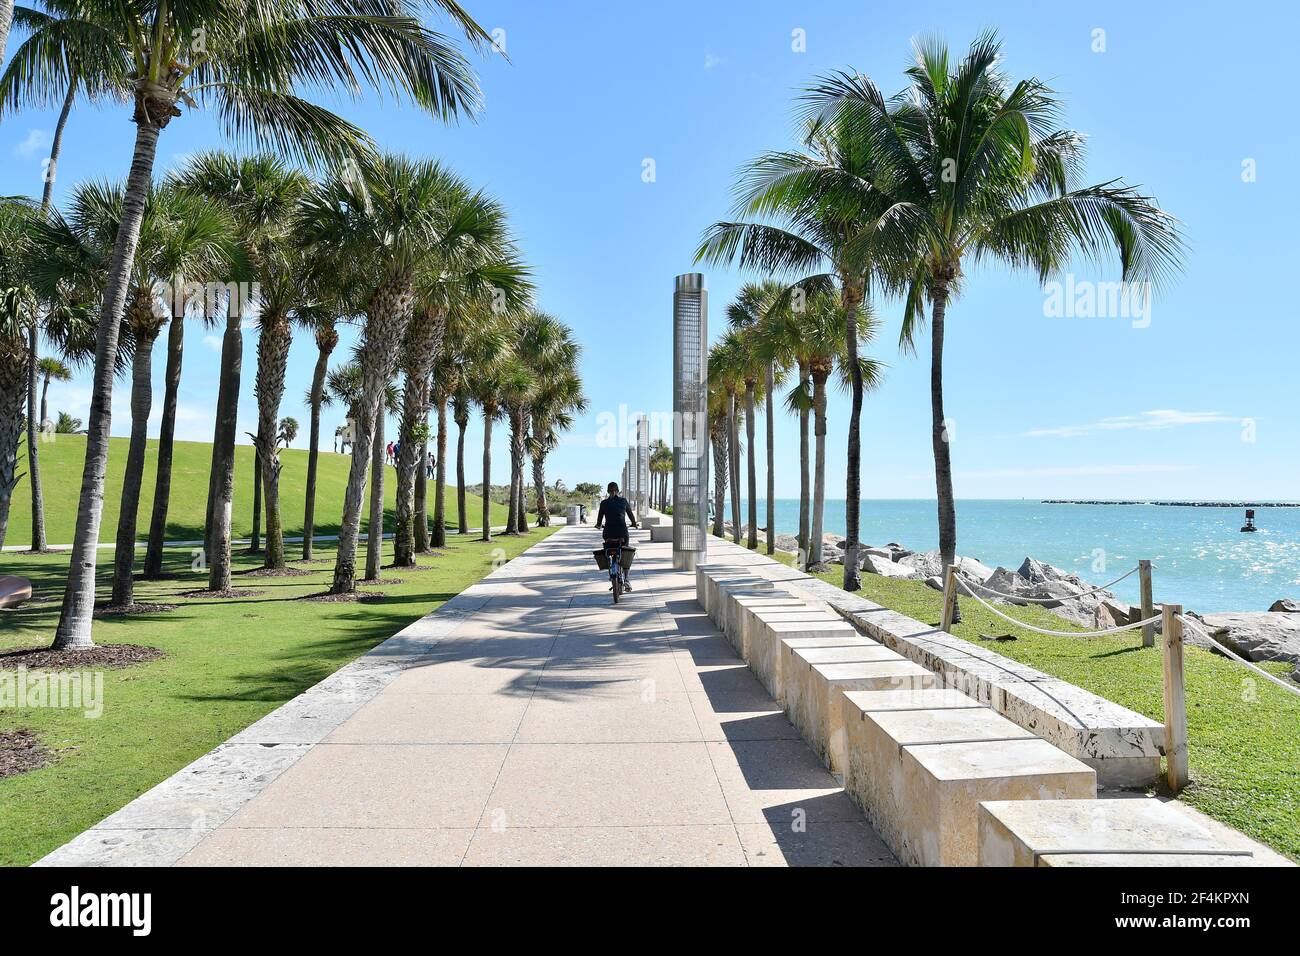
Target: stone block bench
<point>746,610</point>
<point>1124,747</point>
<point>920,763</point>
<point>660,533</point>
<point>816,677</point>
<point>1098,833</point>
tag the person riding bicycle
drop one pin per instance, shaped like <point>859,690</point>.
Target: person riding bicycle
<point>613,515</point>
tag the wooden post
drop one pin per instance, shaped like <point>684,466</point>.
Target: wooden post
<point>1148,605</point>
<point>1175,700</point>
<point>949,596</point>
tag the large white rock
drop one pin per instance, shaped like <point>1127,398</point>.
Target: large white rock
<point>1257,635</point>
<point>929,563</point>
<point>875,564</point>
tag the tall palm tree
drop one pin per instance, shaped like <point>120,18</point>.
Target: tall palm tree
<point>247,59</point>
<point>727,362</point>
<point>324,324</point>
<point>744,315</point>
<point>95,70</point>
<point>814,213</point>
<point>445,381</point>
<point>460,410</point>
<point>719,406</point>
<point>18,305</point>
<point>549,349</point>
<point>50,369</point>
<point>263,195</point>
<point>474,258</point>
<point>390,222</point>
<point>494,372</point>
<point>661,466</point>
<point>979,170</point>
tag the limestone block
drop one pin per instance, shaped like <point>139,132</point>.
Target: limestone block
<point>797,684</point>
<point>746,616</point>
<point>1145,859</point>
<point>820,715</point>
<point>1015,833</point>
<point>942,786</point>
<point>766,662</point>
<point>661,533</point>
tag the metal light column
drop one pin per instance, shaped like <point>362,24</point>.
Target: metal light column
<point>642,466</point>
<point>690,421</point>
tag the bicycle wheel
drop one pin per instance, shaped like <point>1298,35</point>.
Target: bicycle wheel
<point>618,587</point>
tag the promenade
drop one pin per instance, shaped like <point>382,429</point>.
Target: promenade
<point>530,721</point>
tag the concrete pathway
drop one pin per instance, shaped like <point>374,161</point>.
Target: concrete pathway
<point>544,726</point>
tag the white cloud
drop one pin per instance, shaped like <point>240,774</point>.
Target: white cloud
<point>1155,420</point>
<point>213,342</point>
<point>36,140</point>
<point>710,61</point>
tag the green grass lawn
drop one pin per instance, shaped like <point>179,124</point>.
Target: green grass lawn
<point>1243,732</point>
<point>61,462</point>
<point>228,663</point>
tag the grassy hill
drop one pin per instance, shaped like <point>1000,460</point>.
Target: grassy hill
<point>62,459</point>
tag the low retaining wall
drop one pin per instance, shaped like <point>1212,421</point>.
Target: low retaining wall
<point>1123,746</point>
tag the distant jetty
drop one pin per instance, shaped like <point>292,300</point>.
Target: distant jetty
<point>1178,504</point>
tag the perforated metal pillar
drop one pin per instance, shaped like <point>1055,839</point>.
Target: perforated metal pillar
<point>690,421</point>
<point>642,466</point>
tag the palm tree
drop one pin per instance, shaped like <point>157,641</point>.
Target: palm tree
<point>390,222</point>
<point>325,330</point>
<point>978,169</point>
<point>727,362</point>
<point>661,465</point>
<point>494,373</point>
<point>757,308</point>
<point>549,349</point>
<point>67,425</point>
<point>50,369</point>
<point>262,194</point>
<point>719,406</point>
<point>445,381</point>
<point>247,59</point>
<point>815,210</point>
<point>474,257</point>
<point>744,316</point>
<point>821,326</point>
<point>460,409</point>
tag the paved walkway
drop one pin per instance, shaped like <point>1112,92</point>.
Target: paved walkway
<point>529,722</point>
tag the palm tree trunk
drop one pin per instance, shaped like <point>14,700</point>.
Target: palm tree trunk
<point>939,432</point>
<point>733,446</point>
<point>771,462</point>
<point>805,503</point>
<point>718,438</point>
<point>162,488</point>
<point>751,477</point>
<point>13,369</point>
<point>75,617</point>
<point>132,478</point>
<point>272,362</point>
<point>415,412</point>
<point>851,294</point>
<point>255,539</point>
<point>539,485</point>
<point>462,519</point>
<point>819,481</point>
<point>33,436</point>
<point>324,346</point>
<point>45,395</point>
<point>440,479</point>
<point>488,415</point>
<point>221,495</point>
<point>6,17</point>
<point>375,524</point>
<point>512,514</point>
<point>422,499</point>
<point>387,317</point>
<point>39,542</point>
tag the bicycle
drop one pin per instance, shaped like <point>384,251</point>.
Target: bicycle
<point>617,573</point>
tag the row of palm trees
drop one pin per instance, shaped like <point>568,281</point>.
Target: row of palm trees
<point>894,196</point>
<point>404,247</point>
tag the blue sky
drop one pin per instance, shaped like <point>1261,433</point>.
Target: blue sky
<point>1199,402</point>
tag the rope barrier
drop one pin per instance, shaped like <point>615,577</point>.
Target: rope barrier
<point>1071,597</point>
<point>1042,630</point>
<point>1196,626</point>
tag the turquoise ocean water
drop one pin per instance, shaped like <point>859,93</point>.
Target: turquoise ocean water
<point>1202,559</point>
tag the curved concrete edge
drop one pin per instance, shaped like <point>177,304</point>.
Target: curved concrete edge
<point>164,823</point>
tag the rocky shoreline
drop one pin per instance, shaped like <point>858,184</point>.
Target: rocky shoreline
<point>1260,636</point>
<point>1174,504</point>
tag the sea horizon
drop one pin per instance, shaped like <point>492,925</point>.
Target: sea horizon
<point>1202,558</point>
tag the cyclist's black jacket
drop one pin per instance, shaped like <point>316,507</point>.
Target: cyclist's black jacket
<point>613,517</point>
